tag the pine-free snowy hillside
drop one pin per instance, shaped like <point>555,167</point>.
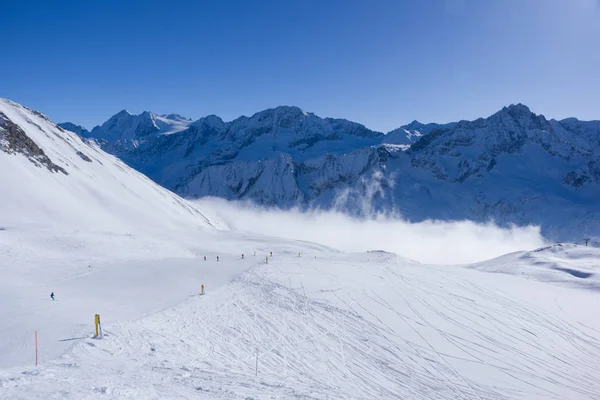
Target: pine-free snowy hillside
<point>64,199</point>
<point>565,263</point>
<point>338,326</point>
<point>50,177</point>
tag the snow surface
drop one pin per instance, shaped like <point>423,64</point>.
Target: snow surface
<point>564,263</point>
<point>337,326</point>
<point>311,323</point>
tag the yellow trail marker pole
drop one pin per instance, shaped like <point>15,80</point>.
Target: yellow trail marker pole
<point>267,259</point>
<point>202,289</point>
<point>97,323</point>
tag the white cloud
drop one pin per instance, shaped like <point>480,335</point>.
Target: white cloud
<point>426,242</point>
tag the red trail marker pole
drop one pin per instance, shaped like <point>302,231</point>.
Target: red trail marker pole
<point>36,349</point>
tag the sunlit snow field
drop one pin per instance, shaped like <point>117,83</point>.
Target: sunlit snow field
<point>324,324</point>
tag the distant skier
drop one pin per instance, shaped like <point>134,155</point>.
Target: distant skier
<point>271,254</point>
<point>204,258</point>
<point>52,296</point>
<point>217,258</point>
<point>242,256</point>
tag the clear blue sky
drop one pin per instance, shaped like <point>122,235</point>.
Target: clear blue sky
<point>381,63</point>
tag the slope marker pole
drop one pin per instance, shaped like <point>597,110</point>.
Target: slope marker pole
<point>36,349</point>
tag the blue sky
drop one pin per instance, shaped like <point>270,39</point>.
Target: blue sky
<point>381,63</point>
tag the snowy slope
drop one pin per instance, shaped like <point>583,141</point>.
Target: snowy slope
<point>84,186</point>
<point>566,263</point>
<point>63,198</point>
<point>69,210</point>
<point>357,326</point>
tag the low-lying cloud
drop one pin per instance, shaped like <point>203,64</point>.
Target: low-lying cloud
<point>435,242</point>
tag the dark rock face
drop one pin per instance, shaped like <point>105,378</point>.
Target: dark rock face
<point>84,157</point>
<point>13,140</point>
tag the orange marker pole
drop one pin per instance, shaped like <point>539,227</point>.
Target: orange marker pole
<point>36,349</point>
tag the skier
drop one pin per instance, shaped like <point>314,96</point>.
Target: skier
<point>217,258</point>
<point>52,296</point>
<point>271,254</point>
<point>242,256</point>
<point>204,258</point>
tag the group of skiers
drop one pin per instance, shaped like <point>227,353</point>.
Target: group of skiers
<point>270,255</point>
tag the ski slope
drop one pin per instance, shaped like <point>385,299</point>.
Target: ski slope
<point>337,326</point>
<point>312,323</point>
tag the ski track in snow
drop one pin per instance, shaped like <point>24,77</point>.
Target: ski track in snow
<point>358,326</point>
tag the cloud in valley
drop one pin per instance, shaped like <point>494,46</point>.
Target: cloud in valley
<point>427,242</point>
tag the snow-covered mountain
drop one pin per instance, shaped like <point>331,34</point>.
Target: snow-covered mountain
<point>124,126</point>
<point>512,167</point>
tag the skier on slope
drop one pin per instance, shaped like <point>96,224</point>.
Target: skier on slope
<point>52,295</point>
<point>217,258</point>
<point>204,258</point>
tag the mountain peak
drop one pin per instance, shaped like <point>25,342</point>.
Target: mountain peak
<point>519,113</point>
<point>413,125</point>
<point>518,109</point>
<point>175,117</point>
<point>211,121</point>
<point>127,126</point>
<point>122,113</point>
<point>293,109</point>
<point>280,111</point>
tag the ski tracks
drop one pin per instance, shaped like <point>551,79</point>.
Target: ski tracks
<point>337,328</point>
